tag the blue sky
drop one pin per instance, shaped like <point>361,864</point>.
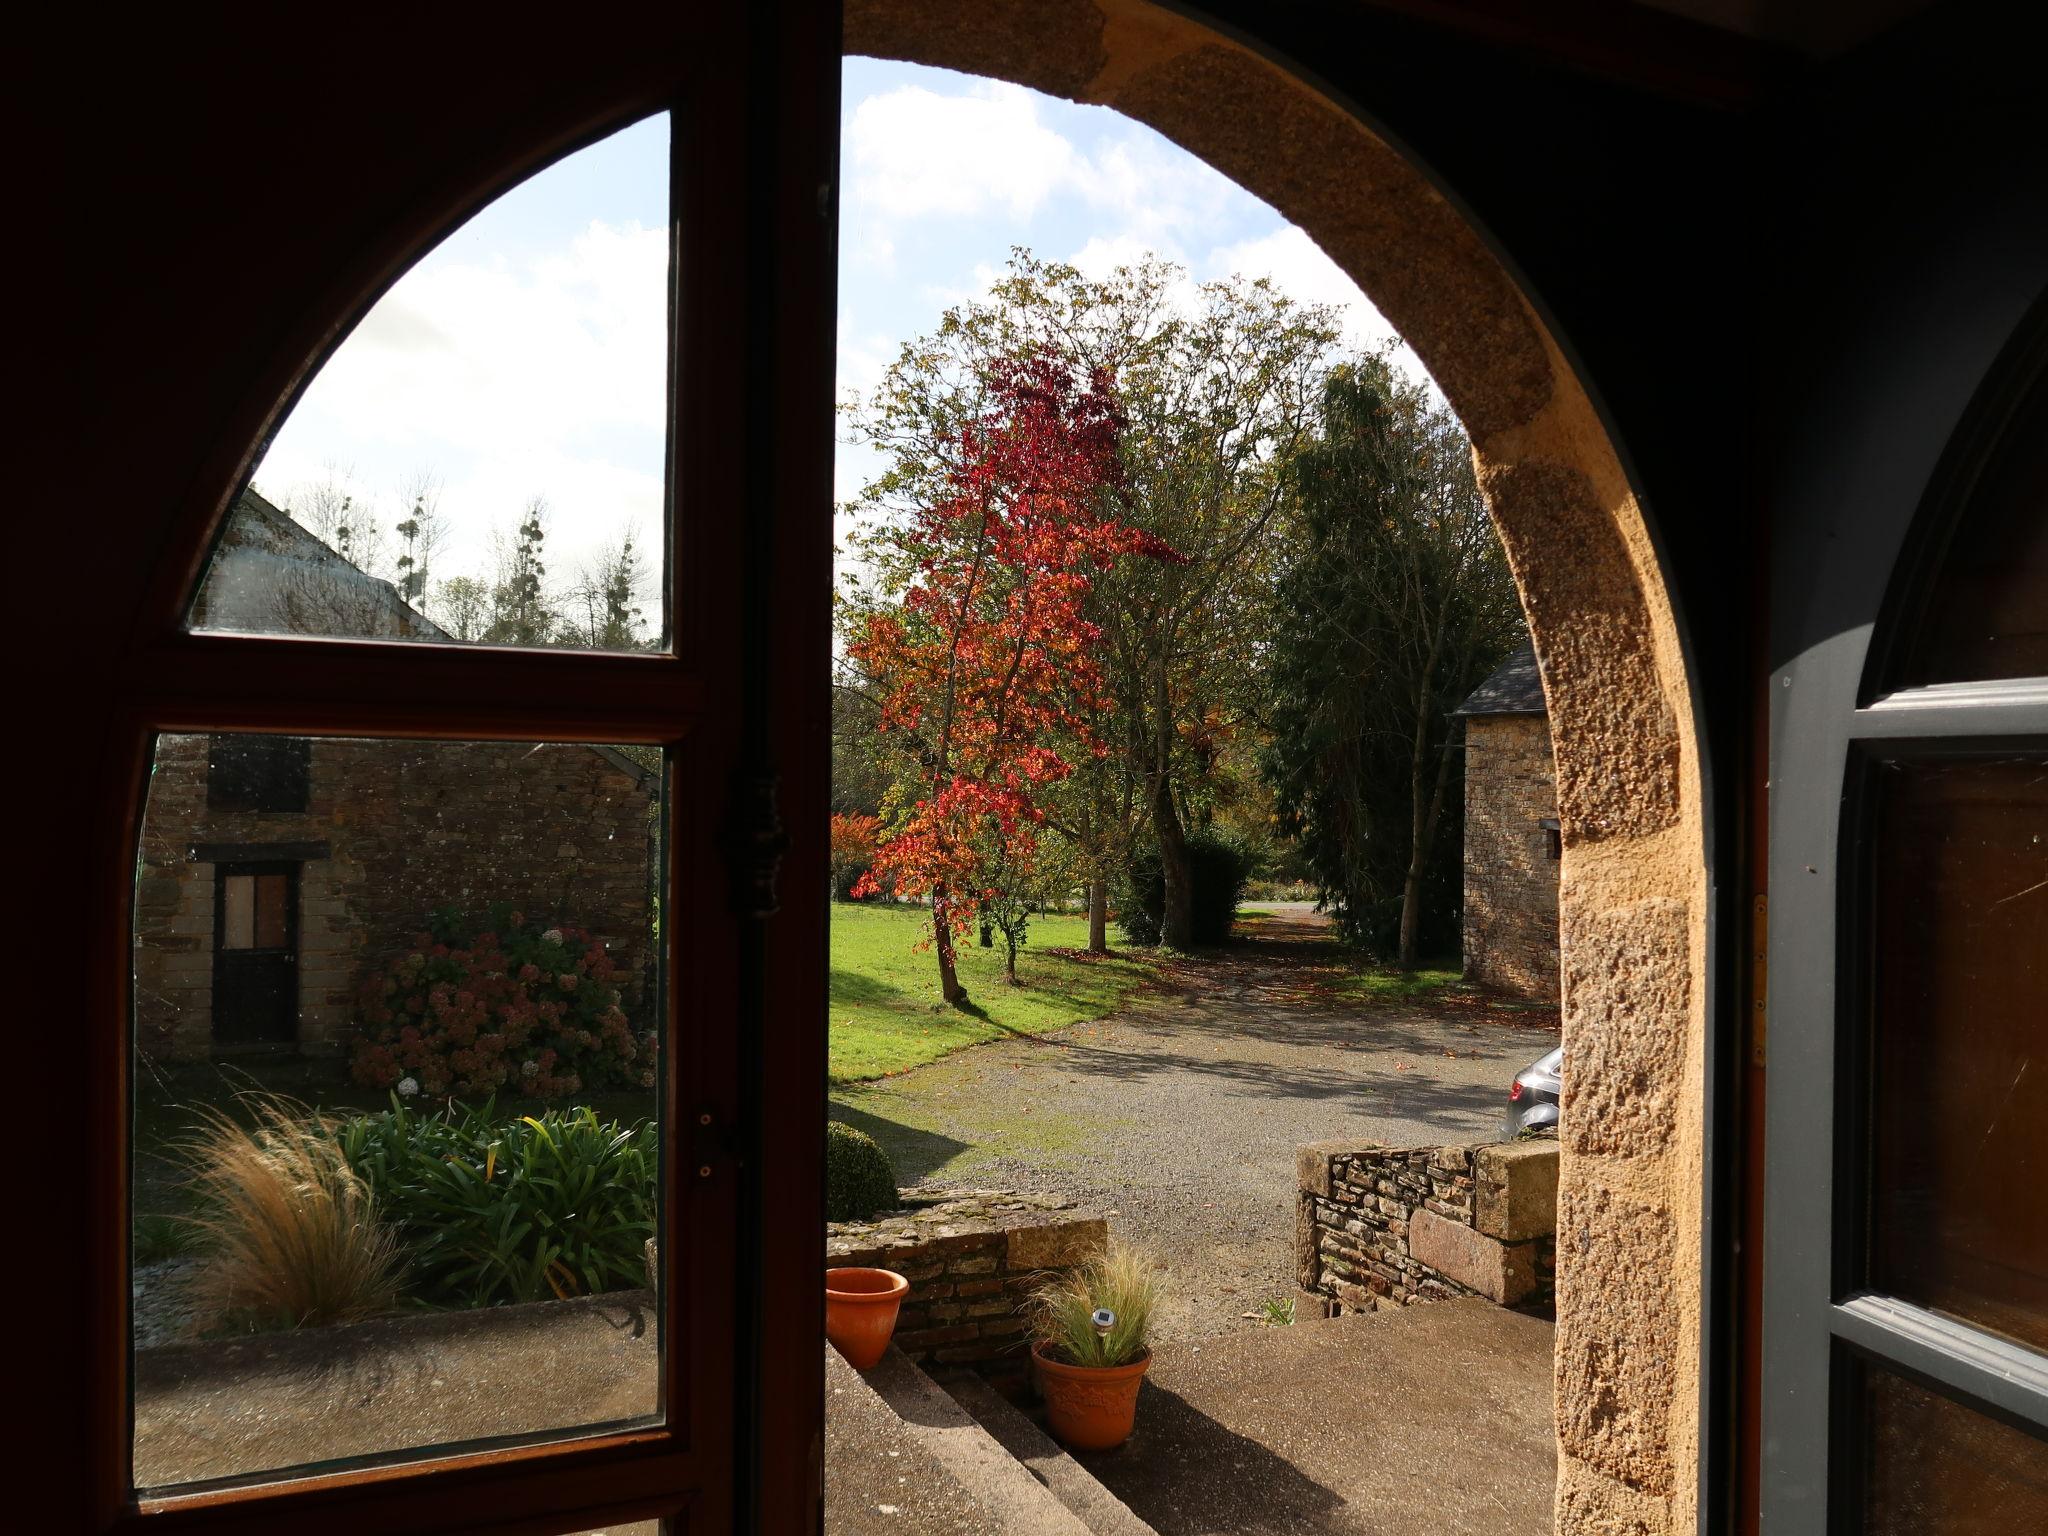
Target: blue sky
<point>524,355</point>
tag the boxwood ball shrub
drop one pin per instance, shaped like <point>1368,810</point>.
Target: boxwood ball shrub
<point>859,1180</point>
<point>497,1002</point>
<point>1218,869</point>
<point>491,1209</point>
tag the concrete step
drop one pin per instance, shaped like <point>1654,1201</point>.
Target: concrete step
<point>880,1479</point>
<point>1065,1478</point>
<point>996,1480</point>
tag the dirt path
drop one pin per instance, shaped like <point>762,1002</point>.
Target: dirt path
<point>1182,1114</point>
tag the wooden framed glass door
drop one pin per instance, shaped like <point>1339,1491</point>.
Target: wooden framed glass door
<point>1906,1207</point>
<point>730,703</point>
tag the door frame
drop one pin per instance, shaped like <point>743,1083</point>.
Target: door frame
<point>739,704</point>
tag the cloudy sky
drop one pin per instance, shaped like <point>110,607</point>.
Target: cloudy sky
<point>523,357</point>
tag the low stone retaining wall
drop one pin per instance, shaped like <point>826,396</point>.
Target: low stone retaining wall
<point>972,1258</point>
<point>1379,1226</point>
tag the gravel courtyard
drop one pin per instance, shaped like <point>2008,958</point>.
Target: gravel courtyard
<point>1181,1115</point>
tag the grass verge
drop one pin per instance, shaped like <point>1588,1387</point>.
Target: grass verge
<point>887,1015</point>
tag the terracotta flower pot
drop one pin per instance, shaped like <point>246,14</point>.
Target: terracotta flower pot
<point>860,1312</point>
<point>1089,1407</point>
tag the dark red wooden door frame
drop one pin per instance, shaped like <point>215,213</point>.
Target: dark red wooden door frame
<point>742,705</point>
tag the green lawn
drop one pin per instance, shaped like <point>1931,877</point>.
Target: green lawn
<point>886,1012</point>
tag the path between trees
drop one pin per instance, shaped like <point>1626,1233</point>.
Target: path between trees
<point>1181,1115</point>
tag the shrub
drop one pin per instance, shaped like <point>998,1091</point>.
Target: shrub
<point>859,1180</point>
<point>852,852</point>
<point>1218,868</point>
<point>476,1006</point>
<point>1121,1280</point>
<point>290,1234</point>
<point>494,1211</point>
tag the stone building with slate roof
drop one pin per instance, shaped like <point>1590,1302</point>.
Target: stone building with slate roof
<point>1512,846</point>
<point>276,872</point>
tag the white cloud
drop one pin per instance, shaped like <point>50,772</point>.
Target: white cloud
<point>913,152</point>
<point>542,378</point>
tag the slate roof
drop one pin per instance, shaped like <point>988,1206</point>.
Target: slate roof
<point>1516,688</point>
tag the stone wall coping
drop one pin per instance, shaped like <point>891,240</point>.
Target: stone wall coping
<point>956,1214</point>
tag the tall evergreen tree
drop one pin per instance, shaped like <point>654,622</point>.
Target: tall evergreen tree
<point>1402,603</point>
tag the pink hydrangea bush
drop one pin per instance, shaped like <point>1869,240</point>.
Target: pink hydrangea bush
<point>481,1006</point>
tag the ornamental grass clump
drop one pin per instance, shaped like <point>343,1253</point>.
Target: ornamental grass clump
<point>290,1235</point>
<point>1123,1281</point>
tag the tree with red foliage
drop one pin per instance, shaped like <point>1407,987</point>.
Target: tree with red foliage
<point>985,669</point>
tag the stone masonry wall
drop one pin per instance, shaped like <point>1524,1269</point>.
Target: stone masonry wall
<point>972,1260</point>
<point>1390,1226</point>
<point>560,830</point>
<point>1511,873</point>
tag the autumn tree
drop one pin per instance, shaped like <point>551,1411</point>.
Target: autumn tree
<point>1218,386</point>
<point>1401,603</point>
<point>976,667</point>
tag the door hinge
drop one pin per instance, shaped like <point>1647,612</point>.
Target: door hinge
<point>713,1145</point>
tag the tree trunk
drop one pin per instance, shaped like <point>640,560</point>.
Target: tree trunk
<point>1177,924</point>
<point>942,941</point>
<point>988,934</point>
<point>1010,957</point>
<point>1098,917</point>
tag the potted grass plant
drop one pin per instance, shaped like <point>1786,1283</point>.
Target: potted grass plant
<point>1091,1346</point>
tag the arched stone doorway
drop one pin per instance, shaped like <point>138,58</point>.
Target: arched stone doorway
<point>1634,892</point>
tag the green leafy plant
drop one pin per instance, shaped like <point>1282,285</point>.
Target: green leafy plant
<point>1277,1311</point>
<point>493,1211</point>
<point>1121,1280</point>
<point>290,1234</point>
<point>1218,869</point>
<point>859,1179</point>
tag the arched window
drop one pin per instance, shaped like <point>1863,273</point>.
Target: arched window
<point>464,780</point>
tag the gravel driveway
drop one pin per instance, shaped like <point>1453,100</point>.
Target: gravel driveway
<point>1181,1115</point>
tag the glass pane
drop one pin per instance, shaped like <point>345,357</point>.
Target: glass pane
<point>1987,613</point>
<point>270,911</point>
<point>238,912</point>
<point>1959,1108</point>
<point>349,1238</point>
<point>1934,1467</point>
<point>483,458</point>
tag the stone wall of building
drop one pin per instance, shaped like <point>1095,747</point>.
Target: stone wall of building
<point>1512,859</point>
<point>1382,1226</point>
<point>403,827</point>
<point>972,1258</point>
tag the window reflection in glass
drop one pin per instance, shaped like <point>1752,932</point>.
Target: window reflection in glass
<point>1936,1468</point>
<point>1959,1109</point>
<point>482,459</point>
<point>395,1171</point>
<point>1985,616</point>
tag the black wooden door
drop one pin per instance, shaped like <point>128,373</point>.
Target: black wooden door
<point>255,954</point>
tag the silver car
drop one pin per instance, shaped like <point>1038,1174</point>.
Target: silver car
<point>1534,1096</point>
